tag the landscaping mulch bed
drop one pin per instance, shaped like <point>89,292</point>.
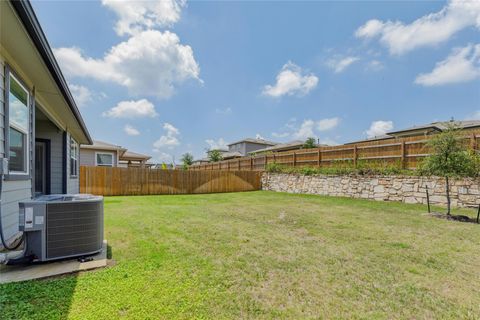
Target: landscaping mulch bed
<point>453,217</point>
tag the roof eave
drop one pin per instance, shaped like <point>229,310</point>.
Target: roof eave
<point>29,19</point>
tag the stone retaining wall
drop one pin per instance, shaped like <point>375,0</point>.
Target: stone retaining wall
<point>408,189</point>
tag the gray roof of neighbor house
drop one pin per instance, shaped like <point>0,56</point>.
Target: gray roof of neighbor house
<point>230,155</point>
<point>101,145</point>
<point>285,146</point>
<point>281,146</point>
<point>376,138</point>
<point>257,141</point>
<point>29,20</point>
<point>438,126</point>
<point>225,155</point>
<point>129,155</point>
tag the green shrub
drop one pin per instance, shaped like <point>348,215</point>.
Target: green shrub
<point>345,168</point>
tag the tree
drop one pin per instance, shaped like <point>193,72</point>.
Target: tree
<point>187,160</point>
<point>310,143</point>
<point>450,158</point>
<point>215,155</point>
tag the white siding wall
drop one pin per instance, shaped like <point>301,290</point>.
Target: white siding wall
<point>13,191</point>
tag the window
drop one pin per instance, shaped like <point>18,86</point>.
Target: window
<point>104,159</point>
<point>18,110</point>
<point>73,158</point>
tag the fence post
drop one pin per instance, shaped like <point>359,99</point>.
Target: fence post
<point>403,155</point>
<point>238,164</point>
<point>319,159</point>
<point>265,162</point>
<point>251,163</point>
<point>355,156</point>
<point>294,159</point>
<point>473,142</point>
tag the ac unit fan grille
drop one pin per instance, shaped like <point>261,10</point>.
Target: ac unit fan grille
<point>74,228</point>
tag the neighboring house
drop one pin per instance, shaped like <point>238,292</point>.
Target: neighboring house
<point>281,147</point>
<point>226,155</point>
<point>434,127</point>
<point>41,126</point>
<point>104,154</point>
<point>101,154</point>
<point>422,131</point>
<point>199,162</point>
<point>248,145</point>
<point>131,159</point>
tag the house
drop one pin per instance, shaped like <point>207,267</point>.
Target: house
<point>104,154</point>
<point>101,154</point>
<point>42,127</point>
<point>434,127</point>
<point>282,147</point>
<point>131,159</point>
<point>226,155</point>
<point>422,131</point>
<point>245,146</point>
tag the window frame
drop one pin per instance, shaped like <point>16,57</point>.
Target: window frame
<point>26,173</point>
<point>105,165</point>
<point>76,159</point>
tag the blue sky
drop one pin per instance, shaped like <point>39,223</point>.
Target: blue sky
<point>165,78</point>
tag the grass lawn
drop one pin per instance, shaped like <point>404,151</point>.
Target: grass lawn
<point>266,255</point>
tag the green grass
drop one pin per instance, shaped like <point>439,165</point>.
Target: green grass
<point>266,255</point>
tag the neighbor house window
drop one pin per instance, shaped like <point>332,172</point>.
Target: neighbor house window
<point>18,110</point>
<point>104,159</point>
<point>73,158</point>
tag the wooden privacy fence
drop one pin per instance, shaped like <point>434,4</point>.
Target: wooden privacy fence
<point>137,181</point>
<point>406,152</point>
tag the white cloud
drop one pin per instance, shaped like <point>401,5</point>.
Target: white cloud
<point>130,130</point>
<point>132,109</point>
<point>163,157</point>
<point>81,94</point>
<point>169,139</point>
<point>280,134</point>
<point>327,124</point>
<point>216,144</point>
<point>462,65</point>
<point>136,16</point>
<point>340,64</point>
<point>379,128</point>
<point>474,116</point>
<point>149,63</point>
<point>306,130</point>
<point>429,30</point>
<point>291,80</point>
<point>225,111</point>
<point>374,65</point>
<point>259,136</point>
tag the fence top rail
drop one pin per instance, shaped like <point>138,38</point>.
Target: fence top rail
<point>379,146</point>
<point>377,150</point>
